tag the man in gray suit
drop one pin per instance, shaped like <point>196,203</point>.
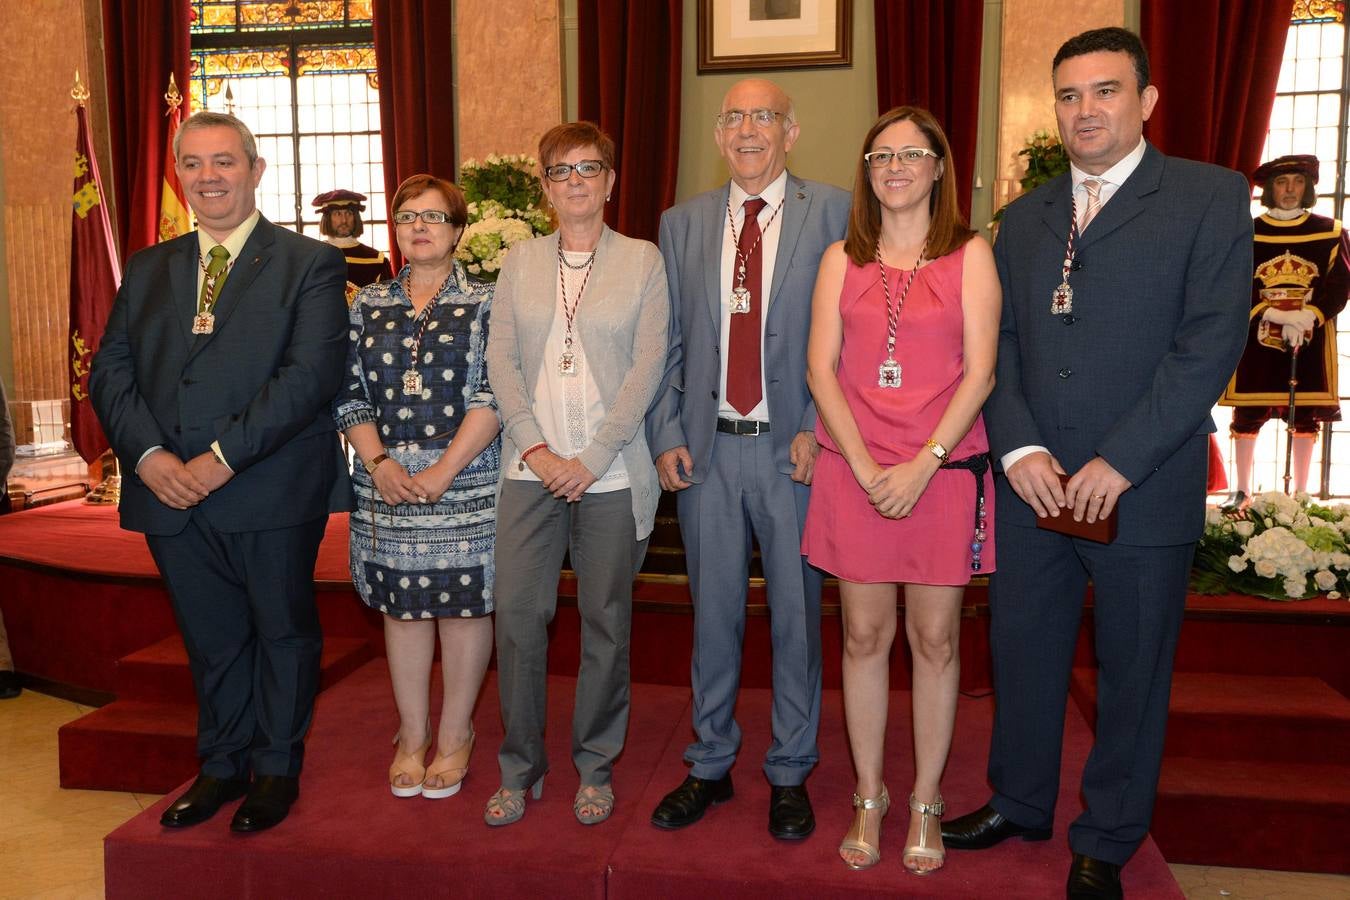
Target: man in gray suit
<point>732,429</point>
<point>1109,380</point>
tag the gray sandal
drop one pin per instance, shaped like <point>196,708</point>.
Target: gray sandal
<point>507,806</point>
<point>594,804</point>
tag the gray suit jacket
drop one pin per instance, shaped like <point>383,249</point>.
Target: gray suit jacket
<point>685,412</point>
<point>622,326</point>
<point>1161,287</point>
<point>261,384</point>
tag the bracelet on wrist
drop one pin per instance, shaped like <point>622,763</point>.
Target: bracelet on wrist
<point>528,450</point>
<point>937,450</point>
<point>374,463</point>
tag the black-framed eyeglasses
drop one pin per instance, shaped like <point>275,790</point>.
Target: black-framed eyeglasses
<point>910,156</point>
<point>430,216</point>
<point>586,168</point>
<point>762,118</point>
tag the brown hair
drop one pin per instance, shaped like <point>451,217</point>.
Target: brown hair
<point>560,140</point>
<point>416,185</point>
<point>1307,201</point>
<point>947,228</point>
<point>326,221</point>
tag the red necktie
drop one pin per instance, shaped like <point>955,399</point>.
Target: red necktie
<point>743,364</point>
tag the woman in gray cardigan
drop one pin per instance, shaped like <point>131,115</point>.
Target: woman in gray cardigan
<point>575,354</point>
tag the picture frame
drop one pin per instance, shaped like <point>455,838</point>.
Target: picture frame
<point>746,35</point>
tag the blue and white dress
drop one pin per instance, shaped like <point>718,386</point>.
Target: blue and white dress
<point>422,561</point>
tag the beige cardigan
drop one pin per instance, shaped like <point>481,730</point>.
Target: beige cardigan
<point>622,324</point>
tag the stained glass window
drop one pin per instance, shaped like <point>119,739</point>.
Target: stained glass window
<point>1309,116</point>
<point>301,73</point>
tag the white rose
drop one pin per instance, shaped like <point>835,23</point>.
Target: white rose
<point>1284,518</point>
<point>1244,528</point>
<point>1212,515</point>
<point>1237,563</point>
<point>1295,587</point>
<point>1324,580</point>
<point>1265,568</point>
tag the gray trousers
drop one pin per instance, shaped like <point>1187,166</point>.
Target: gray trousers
<point>534,529</point>
<point>744,493</point>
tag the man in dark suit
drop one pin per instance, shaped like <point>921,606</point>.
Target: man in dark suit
<point>1110,380</point>
<point>213,382</point>
<point>733,431</point>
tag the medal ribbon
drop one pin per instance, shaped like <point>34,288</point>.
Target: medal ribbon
<point>893,312</point>
<point>570,311</point>
<point>216,272</point>
<point>423,318</point>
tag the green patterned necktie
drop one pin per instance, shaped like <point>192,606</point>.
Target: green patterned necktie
<point>216,272</point>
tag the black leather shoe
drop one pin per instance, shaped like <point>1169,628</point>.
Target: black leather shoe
<point>267,803</point>
<point>9,685</point>
<point>984,828</point>
<point>790,815</point>
<point>1093,879</point>
<point>687,803</point>
<point>201,801</point>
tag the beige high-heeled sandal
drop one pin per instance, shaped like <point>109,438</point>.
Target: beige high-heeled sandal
<point>507,806</point>
<point>409,766</point>
<point>597,797</point>
<point>921,850</point>
<point>444,766</point>
<point>854,840</point>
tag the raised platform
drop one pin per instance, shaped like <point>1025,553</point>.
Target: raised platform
<point>348,837</point>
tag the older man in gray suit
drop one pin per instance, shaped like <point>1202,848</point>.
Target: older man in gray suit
<point>1125,288</point>
<point>732,429</point>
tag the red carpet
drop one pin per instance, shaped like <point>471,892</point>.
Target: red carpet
<point>348,837</point>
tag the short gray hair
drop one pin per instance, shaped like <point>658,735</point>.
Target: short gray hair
<point>208,119</point>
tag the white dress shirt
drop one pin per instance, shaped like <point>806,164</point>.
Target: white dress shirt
<point>768,248</point>
<point>1111,181</point>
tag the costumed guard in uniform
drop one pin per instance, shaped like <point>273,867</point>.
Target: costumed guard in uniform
<point>341,225</point>
<point>1300,284</point>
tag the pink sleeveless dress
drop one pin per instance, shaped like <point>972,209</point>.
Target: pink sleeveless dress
<point>844,535</point>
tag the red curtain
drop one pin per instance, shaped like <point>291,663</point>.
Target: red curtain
<point>1216,64</point>
<point>417,118</point>
<point>143,41</point>
<point>928,55</point>
<point>628,81</point>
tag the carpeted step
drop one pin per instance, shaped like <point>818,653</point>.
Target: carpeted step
<point>146,740</point>
<point>1256,718</point>
<point>160,673</point>
<point>130,745</point>
<point>1288,816</point>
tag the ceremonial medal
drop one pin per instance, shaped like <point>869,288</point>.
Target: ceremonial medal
<point>740,300</point>
<point>1061,301</point>
<point>203,323</point>
<point>888,374</point>
<point>567,364</point>
<point>412,382</point>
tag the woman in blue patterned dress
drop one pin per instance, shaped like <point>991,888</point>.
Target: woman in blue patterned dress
<point>418,412</point>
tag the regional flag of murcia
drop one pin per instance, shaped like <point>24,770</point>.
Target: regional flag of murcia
<point>94,277</point>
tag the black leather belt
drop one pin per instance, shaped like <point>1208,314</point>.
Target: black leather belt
<point>742,426</point>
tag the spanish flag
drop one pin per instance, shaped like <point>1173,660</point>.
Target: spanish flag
<point>173,210</point>
<point>94,277</point>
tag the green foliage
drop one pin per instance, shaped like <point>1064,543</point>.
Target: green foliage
<point>1046,159</point>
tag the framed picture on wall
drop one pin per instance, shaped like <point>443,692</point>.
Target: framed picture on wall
<point>741,35</point>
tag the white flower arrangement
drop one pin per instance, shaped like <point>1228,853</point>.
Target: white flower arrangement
<point>505,205</point>
<point>1280,548</point>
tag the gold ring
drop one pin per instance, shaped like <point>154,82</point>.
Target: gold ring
<point>1098,496</point>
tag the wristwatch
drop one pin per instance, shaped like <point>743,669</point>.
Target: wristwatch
<point>374,463</point>
<point>936,449</point>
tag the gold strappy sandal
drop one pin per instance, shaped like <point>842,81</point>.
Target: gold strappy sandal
<point>854,839</point>
<point>921,850</point>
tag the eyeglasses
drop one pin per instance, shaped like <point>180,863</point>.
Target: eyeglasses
<point>762,118</point>
<point>430,216</point>
<point>586,168</point>
<point>910,156</point>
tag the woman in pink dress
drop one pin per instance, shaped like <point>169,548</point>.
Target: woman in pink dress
<point>904,331</point>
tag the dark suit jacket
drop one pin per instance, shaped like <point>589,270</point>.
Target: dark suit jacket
<point>684,412</point>
<point>1161,286</point>
<point>261,384</point>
